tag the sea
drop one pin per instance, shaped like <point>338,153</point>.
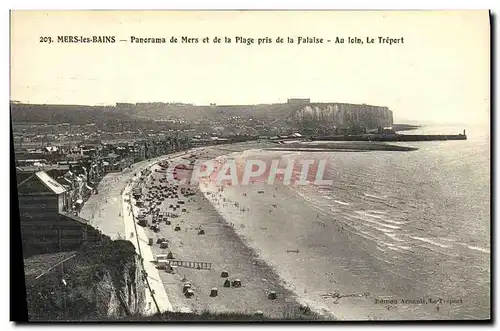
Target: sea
<point>396,235</point>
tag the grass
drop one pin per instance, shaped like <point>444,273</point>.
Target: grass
<point>84,295</point>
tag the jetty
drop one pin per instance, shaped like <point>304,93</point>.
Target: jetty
<point>392,137</point>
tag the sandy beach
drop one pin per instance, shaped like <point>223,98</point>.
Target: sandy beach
<point>104,209</point>
<point>225,251</point>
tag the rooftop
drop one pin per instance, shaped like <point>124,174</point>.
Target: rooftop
<point>42,167</point>
<point>51,183</point>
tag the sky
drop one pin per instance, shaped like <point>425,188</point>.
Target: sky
<point>440,73</point>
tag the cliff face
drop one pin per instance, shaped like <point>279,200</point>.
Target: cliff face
<point>121,294</point>
<point>101,283</point>
<point>343,115</point>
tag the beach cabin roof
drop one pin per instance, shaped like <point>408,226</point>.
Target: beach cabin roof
<point>51,149</point>
<point>50,183</point>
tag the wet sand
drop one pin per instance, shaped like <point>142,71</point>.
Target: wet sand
<point>339,146</point>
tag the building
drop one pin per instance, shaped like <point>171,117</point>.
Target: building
<point>46,225</point>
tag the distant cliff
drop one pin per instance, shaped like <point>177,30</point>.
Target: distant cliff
<point>295,114</point>
<point>343,115</point>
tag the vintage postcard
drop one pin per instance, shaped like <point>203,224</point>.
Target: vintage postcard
<point>252,165</point>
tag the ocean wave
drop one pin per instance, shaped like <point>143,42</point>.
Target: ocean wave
<point>374,216</point>
<point>383,230</point>
<point>394,222</point>
<point>427,240</point>
<point>480,249</point>
<point>394,227</point>
<point>393,237</point>
<point>368,235</point>
<point>382,219</point>
<point>376,211</point>
<point>385,202</point>
<point>319,205</point>
<point>406,248</point>
<point>394,248</point>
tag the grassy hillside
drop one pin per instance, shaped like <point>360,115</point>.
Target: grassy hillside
<point>262,112</point>
<point>105,118</point>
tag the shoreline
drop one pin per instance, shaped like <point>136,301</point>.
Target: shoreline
<point>340,146</point>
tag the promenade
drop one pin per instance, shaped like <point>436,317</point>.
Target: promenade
<point>138,237</point>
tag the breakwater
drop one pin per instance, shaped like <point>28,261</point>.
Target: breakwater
<point>392,138</point>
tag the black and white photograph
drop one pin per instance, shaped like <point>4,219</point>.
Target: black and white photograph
<point>251,166</point>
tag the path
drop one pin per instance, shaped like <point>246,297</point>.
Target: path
<point>142,247</point>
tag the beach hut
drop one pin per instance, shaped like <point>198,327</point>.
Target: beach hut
<point>227,283</point>
<point>224,274</point>
<point>236,283</point>
<point>272,295</point>
<point>214,292</point>
<point>159,257</point>
<point>170,256</point>
<point>201,231</point>
<point>177,228</point>
<point>189,293</point>
<point>162,264</point>
<point>186,286</point>
<point>164,244</point>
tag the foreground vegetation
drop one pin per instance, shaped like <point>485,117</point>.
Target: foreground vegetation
<point>73,290</point>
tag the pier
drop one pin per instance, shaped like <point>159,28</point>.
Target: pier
<point>393,137</point>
